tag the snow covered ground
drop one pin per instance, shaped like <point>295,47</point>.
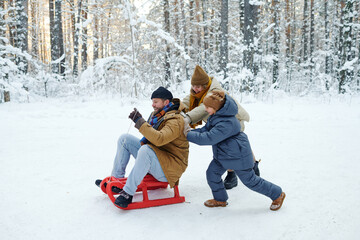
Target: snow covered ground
<point>51,153</point>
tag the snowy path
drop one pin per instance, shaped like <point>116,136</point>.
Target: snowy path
<point>51,153</point>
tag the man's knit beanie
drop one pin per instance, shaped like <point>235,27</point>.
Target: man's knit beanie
<point>162,93</point>
<point>215,99</point>
<point>199,76</point>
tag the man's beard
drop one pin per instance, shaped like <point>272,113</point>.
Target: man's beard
<point>156,110</point>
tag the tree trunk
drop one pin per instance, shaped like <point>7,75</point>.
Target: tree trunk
<point>275,6</point>
<point>167,53</point>
<point>241,14</point>
<point>6,96</point>
<point>358,43</point>
<point>288,42</point>
<point>312,40</point>
<point>34,30</point>
<point>61,50</point>
<point>346,72</point>
<point>12,23</point>
<point>206,32</point>
<point>2,22</point>
<point>224,55</point>
<point>192,20</point>
<point>84,36</point>
<point>56,36</point>
<point>293,32</point>
<point>249,30</point>
<point>96,35</point>
<point>183,17</point>
<point>305,31</point>
<point>22,33</point>
<point>248,35</point>
<point>76,41</point>
<point>199,47</point>
<point>327,43</point>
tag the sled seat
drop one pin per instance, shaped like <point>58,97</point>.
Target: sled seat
<point>148,183</point>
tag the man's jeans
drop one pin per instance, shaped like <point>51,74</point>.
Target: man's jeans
<point>146,161</point>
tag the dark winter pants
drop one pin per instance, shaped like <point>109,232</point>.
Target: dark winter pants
<point>247,177</point>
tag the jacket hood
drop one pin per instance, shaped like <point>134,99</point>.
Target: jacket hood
<point>230,107</point>
<point>180,105</point>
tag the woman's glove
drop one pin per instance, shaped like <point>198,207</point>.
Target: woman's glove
<point>187,128</point>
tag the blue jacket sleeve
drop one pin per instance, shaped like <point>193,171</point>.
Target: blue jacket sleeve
<point>218,133</point>
<point>203,129</point>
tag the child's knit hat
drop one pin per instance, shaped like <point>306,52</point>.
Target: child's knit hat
<point>199,76</point>
<point>215,99</point>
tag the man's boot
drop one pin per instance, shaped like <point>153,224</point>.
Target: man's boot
<point>230,180</point>
<point>124,199</point>
<point>113,188</point>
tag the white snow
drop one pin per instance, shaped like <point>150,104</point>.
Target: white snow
<point>51,152</point>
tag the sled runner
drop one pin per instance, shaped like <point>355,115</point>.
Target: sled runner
<point>148,183</point>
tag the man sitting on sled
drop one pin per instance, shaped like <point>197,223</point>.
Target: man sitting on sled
<point>162,152</point>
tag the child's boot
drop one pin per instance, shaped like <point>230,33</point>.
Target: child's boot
<point>256,168</point>
<point>230,180</point>
<point>277,203</point>
<point>214,203</point>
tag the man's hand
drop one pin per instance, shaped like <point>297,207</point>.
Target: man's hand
<point>187,128</point>
<point>135,115</point>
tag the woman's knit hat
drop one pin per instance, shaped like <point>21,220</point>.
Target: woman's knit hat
<point>215,99</point>
<point>199,76</point>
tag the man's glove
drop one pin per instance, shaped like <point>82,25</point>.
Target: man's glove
<point>135,115</point>
<point>187,128</point>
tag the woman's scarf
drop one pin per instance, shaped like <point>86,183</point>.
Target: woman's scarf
<point>196,99</point>
<point>155,118</point>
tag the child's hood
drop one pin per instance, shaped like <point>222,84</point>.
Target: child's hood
<point>230,107</point>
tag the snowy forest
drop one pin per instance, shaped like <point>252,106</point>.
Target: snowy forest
<point>53,48</point>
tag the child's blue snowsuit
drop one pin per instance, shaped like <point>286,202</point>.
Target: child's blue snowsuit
<point>231,150</point>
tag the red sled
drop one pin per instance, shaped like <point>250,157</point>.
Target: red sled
<point>148,183</point>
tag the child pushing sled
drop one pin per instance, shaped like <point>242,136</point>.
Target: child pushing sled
<point>231,150</point>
